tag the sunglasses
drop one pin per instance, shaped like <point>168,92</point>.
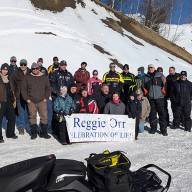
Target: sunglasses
<point>23,64</point>
<point>13,61</point>
<point>36,68</point>
<point>5,69</point>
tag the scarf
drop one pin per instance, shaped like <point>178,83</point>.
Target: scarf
<point>5,78</point>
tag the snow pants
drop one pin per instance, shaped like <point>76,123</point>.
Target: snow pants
<point>7,110</point>
<point>157,107</point>
<point>184,111</point>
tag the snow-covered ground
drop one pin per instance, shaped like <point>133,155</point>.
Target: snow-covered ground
<point>76,31</point>
<point>172,153</point>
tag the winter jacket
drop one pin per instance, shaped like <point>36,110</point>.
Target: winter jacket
<point>113,108</point>
<point>170,84</point>
<point>129,84</point>
<point>140,81</point>
<point>114,80</point>
<point>12,69</point>
<point>145,108</point>
<point>182,94</point>
<point>16,81</point>
<point>52,68</point>
<point>134,109</point>
<point>6,93</point>
<point>35,88</point>
<point>81,77</point>
<point>44,70</point>
<point>60,78</point>
<point>76,98</point>
<point>88,105</point>
<point>64,105</point>
<point>155,85</point>
<point>93,85</point>
<point>102,99</point>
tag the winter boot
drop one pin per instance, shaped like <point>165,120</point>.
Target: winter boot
<point>33,131</point>
<point>43,133</point>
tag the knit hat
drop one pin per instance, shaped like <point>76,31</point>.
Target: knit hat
<point>23,61</point>
<point>4,66</point>
<point>83,88</point>
<point>184,73</point>
<point>73,85</point>
<point>126,66</point>
<point>13,58</point>
<point>34,65</point>
<point>141,69</point>
<point>151,66</point>
<point>63,62</point>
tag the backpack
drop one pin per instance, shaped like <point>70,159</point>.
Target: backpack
<point>109,172</point>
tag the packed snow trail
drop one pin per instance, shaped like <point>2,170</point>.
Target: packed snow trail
<point>172,153</point>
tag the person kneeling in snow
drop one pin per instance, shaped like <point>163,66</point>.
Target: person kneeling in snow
<point>87,103</point>
<point>116,106</point>
<point>62,106</point>
<point>139,108</point>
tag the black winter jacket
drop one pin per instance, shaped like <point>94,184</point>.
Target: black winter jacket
<point>182,93</point>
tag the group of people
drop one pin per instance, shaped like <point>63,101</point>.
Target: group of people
<point>25,92</point>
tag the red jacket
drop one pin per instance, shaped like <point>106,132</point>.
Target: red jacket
<point>93,85</point>
<point>81,77</point>
<point>88,105</point>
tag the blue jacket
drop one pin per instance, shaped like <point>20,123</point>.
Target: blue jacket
<point>64,105</point>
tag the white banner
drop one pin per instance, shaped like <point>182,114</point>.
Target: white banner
<point>100,127</point>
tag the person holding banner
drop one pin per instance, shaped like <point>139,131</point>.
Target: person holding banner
<point>62,106</point>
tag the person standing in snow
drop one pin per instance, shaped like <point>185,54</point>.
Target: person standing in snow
<point>182,95</point>
<point>113,79</point>
<point>81,76</point>
<point>7,104</point>
<point>63,105</point>
<point>155,91</point>
<point>129,85</point>
<point>116,106</point>
<point>54,66</point>
<point>40,63</point>
<point>94,84</point>
<point>139,109</point>
<point>13,66</point>
<point>16,82</point>
<point>59,78</point>
<point>171,80</point>
<point>36,91</point>
<point>140,78</point>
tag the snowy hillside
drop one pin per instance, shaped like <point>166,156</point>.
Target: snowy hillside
<point>181,35</point>
<point>30,33</point>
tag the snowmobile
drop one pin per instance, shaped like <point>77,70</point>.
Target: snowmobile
<point>44,174</point>
<point>48,174</point>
